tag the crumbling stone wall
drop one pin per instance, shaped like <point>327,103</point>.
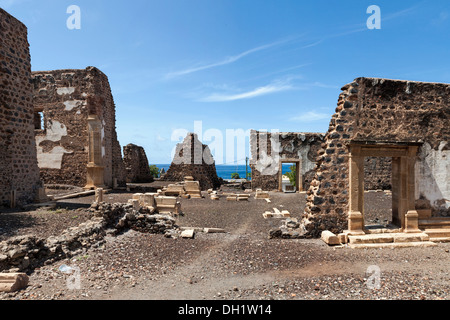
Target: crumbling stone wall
<point>268,149</point>
<point>136,164</point>
<point>18,165</point>
<point>389,111</point>
<point>66,98</point>
<point>192,158</point>
<point>28,252</point>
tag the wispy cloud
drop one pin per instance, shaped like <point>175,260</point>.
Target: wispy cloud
<point>271,88</point>
<point>310,116</point>
<point>225,61</point>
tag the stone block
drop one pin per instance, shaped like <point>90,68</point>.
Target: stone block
<point>262,194</point>
<point>99,195</point>
<point>11,282</point>
<point>188,234</point>
<point>174,190</point>
<point>149,199</point>
<point>330,238</point>
<point>167,204</point>
<point>213,230</point>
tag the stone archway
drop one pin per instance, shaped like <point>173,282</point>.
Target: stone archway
<point>403,183</point>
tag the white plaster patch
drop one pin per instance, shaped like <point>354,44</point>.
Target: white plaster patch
<point>103,139</point>
<point>65,90</point>
<point>53,159</point>
<point>55,131</point>
<point>433,175</point>
<point>72,104</point>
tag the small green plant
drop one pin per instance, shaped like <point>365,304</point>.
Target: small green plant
<point>79,258</point>
<point>235,175</point>
<point>292,176</point>
<point>154,171</point>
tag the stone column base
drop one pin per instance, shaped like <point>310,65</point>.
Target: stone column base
<point>412,222</point>
<point>95,178</point>
<point>355,223</point>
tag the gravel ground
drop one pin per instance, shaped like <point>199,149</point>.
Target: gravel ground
<point>241,264</point>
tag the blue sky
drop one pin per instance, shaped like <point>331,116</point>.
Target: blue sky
<point>234,64</point>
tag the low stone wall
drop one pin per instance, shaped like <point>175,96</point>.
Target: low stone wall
<point>25,253</point>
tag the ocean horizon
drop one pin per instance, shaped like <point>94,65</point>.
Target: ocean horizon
<point>225,171</point>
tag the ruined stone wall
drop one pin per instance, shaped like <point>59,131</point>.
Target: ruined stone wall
<point>268,149</point>
<point>66,98</point>
<point>383,111</point>
<point>377,173</point>
<point>192,158</point>
<point>136,164</point>
<point>18,164</point>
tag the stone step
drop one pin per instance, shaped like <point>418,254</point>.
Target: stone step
<point>440,239</point>
<point>380,238</point>
<point>434,223</point>
<point>438,233</point>
<point>392,245</point>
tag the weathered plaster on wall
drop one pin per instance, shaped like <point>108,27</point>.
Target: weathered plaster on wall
<point>433,175</point>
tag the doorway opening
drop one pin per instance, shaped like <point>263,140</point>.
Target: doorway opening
<point>378,193</point>
<point>403,155</point>
<point>289,180</point>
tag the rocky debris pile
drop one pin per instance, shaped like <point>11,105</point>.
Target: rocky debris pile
<point>290,229</point>
<point>28,252</point>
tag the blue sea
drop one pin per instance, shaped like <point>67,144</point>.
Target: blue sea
<point>225,171</point>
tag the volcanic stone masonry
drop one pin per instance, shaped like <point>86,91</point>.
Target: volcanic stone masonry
<point>75,129</point>
<point>194,159</point>
<point>19,172</point>
<point>136,164</point>
<point>270,150</point>
<point>406,121</point>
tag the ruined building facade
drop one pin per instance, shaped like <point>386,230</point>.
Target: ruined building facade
<point>136,164</point>
<point>271,150</point>
<point>75,125</point>
<point>19,173</point>
<point>194,159</point>
<point>405,121</point>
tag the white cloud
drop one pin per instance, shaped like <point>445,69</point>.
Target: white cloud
<point>311,116</point>
<point>269,89</point>
<point>226,61</point>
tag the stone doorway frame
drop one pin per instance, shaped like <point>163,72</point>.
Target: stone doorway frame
<point>298,169</point>
<point>404,157</point>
